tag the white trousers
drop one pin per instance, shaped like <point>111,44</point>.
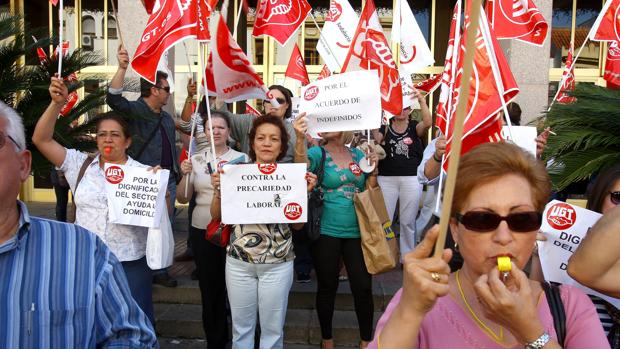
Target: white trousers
<point>263,288</point>
<point>407,190</point>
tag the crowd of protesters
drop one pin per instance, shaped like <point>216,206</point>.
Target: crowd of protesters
<point>101,284</point>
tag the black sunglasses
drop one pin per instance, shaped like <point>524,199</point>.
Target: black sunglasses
<point>167,88</point>
<point>3,138</point>
<point>483,222</point>
<point>615,197</point>
<point>280,100</point>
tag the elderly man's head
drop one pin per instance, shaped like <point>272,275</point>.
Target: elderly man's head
<point>14,157</point>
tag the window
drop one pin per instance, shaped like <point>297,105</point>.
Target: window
<point>112,28</point>
<point>88,26</point>
<point>311,55</point>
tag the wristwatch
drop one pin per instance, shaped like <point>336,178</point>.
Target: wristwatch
<point>539,342</point>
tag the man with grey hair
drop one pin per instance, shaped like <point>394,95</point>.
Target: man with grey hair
<point>61,286</point>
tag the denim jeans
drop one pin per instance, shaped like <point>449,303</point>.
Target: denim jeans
<point>263,288</point>
<point>139,277</point>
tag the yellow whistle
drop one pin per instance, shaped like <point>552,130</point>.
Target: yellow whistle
<point>503,264</point>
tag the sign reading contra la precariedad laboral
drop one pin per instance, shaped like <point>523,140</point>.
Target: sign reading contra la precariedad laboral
<point>136,195</point>
<point>264,193</point>
<point>343,102</point>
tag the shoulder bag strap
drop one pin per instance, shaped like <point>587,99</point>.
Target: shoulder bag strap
<point>85,164</point>
<point>556,306</point>
<point>149,139</point>
<point>321,169</point>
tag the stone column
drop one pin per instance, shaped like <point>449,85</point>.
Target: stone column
<point>530,67</point>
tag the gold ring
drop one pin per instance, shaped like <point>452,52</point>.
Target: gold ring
<point>435,277</point>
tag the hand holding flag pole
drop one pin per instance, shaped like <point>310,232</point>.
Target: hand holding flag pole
<point>461,107</point>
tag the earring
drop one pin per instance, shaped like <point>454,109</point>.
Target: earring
<point>456,247</point>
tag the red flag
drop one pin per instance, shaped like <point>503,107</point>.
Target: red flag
<point>517,19</point>
<point>235,77</point>
<point>612,67</point>
<point>568,80</point>
<point>54,2</point>
<point>607,24</point>
<point>40,52</point>
<point>280,19</point>
<point>444,107</point>
<point>297,68</point>
<point>492,85</point>
<point>171,23</point>
<point>211,91</point>
<point>370,50</point>
<point>429,85</point>
<point>148,5</point>
<point>324,72</point>
<point>204,8</point>
<point>250,110</point>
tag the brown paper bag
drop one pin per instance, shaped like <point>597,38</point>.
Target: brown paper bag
<point>379,245</point>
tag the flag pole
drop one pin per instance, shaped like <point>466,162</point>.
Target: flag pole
<point>189,63</point>
<point>322,39</point>
<point>237,21</point>
<point>557,93</point>
<point>118,24</point>
<point>204,85</point>
<point>461,110</point>
<point>60,48</point>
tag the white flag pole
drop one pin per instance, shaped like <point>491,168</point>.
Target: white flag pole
<point>237,20</point>
<point>189,62</point>
<point>60,37</point>
<point>204,84</point>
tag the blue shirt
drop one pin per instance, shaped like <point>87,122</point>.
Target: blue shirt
<point>61,287</point>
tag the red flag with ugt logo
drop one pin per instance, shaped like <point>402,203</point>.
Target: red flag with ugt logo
<point>173,22</point>
<point>568,80</point>
<point>209,76</point>
<point>235,78</point>
<point>204,8</point>
<point>280,19</point>
<point>607,24</point>
<point>492,85</point>
<point>429,85</point>
<point>250,110</point>
<point>517,19</point>
<point>296,68</point>
<point>612,67</point>
<point>324,72</point>
<point>370,50</point>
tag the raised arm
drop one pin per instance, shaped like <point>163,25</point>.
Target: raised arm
<point>432,167</point>
<point>43,136</point>
<point>301,150</point>
<point>596,263</point>
<point>427,119</point>
<point>114,98</point>
<point>186,114</point>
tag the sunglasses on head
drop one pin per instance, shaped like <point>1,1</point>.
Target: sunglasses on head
<point>615,197</point>
<point>166,88</point>
<point>280,100</point>
<point>483,222</point>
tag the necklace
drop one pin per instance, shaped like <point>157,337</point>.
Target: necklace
<point>497,338</point>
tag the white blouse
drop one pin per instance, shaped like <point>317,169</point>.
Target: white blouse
<point>201,180</point>
<point>127,242</point>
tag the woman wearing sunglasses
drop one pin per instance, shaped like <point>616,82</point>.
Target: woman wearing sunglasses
<point>596,262</point>
<point>496,212</point>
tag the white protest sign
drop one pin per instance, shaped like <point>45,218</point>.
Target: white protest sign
<point>295,107</point>
<point>523,136</point>
<point>135,195</point>
<point>565,226</point>
<point>264,193</point>
<point>343,102</point>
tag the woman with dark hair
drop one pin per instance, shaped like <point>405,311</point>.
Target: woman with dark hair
<point>210,259</point>
<point>259,261</point>
<point>113,139</point>
<point>496,213</point>
<point>592,264</point>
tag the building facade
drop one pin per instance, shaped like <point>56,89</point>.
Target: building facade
<point>93,25</point>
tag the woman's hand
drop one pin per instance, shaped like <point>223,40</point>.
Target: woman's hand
<point>58,91</point>
<point>191,88</point>
<point>301,125</point>
<point>425,279</point>
<point>311,179</point>
<point>371,154</point>
<point>512,305</point>
<point>154,169</point>
<point>440,146</point>
<point>186,167</point>
<point>541,142</point>
<point>215,179</point>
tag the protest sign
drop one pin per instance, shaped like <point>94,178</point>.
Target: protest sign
<point>135,195</point>
<point>523,136</point>
<point>343,102</point>
<point>565,225</point>
<point>264,193</point>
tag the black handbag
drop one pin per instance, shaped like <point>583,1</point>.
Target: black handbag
<point>315,203</point>
<point>556,306</point>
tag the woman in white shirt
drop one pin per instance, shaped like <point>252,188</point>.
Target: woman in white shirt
<point>127,242</point>
<point>210,259</point>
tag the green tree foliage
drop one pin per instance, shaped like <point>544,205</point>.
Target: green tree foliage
<point>588,135</point>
